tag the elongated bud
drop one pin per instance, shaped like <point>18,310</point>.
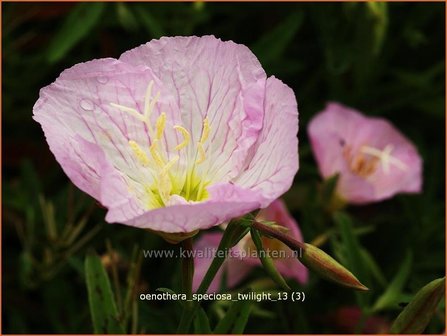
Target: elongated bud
<point>322,263</point>
<point>315,259</point>
<point>418,313</point>
<point>267,262</point>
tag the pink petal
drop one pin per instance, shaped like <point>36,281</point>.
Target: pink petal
<point>226,201</point>
<point>77,106</point>
<point>206,246</point>
<point>237,270</point>
<point>222,81</point>
<point>274,160</point>
<point>339,126</point>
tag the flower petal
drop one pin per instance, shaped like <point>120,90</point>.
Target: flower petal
<point>274,158</point>
<point>78,106</point>
<point>226,201</point>
<point>205,247</point>
<point>338,128</point>
<point>220,81</point>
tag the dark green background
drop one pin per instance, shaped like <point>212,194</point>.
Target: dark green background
<point>384,59</point>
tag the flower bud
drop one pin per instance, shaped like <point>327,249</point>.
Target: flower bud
<point>418,313</point>
<point>320,262</point>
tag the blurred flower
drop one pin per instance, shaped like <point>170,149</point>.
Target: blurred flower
<point>373,159</point>
<point>348,319</point>
<point>179,134</point>
<point>243,256</point>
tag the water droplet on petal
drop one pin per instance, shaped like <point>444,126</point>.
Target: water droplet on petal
<point>86,105</point>
<point>102,79</point>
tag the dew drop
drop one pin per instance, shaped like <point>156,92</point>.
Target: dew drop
<point>102,79</point>
<point>86,105</point>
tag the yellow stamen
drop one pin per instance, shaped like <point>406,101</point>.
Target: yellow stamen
<point>164,181</point>
<point>148,99</point>
<point>129,110</point>
<point>205,131</point>
<point>139,153</point>
<point>160,125</point>
<point>156,155</point>
<point>186,137</point>
<point>201,152</point>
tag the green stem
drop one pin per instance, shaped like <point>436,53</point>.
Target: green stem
<point>187,278</point>
<point>187,268</point>
<point>233,233</point>
<point>289,241</point>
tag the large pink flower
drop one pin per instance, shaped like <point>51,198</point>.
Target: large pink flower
<point>374,160</point>
<point>176,135</point>
<point>243,258</point>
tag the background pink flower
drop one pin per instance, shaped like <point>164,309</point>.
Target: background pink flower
<point>179,134</point>
<point>374,160</point>
<point>237,267</point>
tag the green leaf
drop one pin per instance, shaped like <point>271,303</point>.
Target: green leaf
<point>232,317</point>
<point>352,252</point>
<point>125,17</point>
<point>266,261</point>
<point>150,22</point>
<point>273,44</point>
<point>202,323</point>
<point>77,25</point>
<point>376,272</point>
<point>103,309</point>
<point>242,319</point>
<point>394,291</point>
<point>418,313</point>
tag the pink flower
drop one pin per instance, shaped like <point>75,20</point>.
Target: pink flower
<point>242,257</point>
<point>374,160</point>
<point>179,134</point>
<point>347,319</point>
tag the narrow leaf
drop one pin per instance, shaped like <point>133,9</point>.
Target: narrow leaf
<point>394,291</point>
<point>150,22</point>
<point>77,25</point>
<point>352,252</point>
<point>267,262</point>
<point>273,44</point>
<point>418,313</point>
<point>202,323</point>
<point>225,324</point>
<point>242,319</point>
<point>102,304</point>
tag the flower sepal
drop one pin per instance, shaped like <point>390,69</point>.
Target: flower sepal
<point>267,261</point>
<point>174,238</point>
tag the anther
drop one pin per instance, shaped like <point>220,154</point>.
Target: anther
<point>160,125</point>
<point>139,153</point>
<point>186,137</point>
<point>156,154</point>
<point>201,153</point>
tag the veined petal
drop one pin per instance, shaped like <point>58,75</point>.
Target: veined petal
<point>220,81</point>
<point>80,105</point>
<point>226,201</point>
<point>274,158</point>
